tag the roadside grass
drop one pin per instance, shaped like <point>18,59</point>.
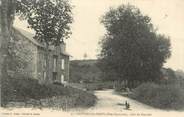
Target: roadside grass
<point>24,90</point>
<point>163,96</point>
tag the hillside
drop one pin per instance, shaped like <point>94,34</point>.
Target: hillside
<point>84,71</point>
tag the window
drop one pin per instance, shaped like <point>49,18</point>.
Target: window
<point>62,64</point>
<point>45,63</point>
<point>44,75</point>
<point>55,63</point>
<point>54,76</point>
<point>62,78</point>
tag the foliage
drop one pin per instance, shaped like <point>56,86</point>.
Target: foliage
<point>83,98</point>
<point>131,47</point>
<point>23,89</point>
<point>169,76</point>
<point>49,19</point>
<point>85,71</point>
<point>160,96</point>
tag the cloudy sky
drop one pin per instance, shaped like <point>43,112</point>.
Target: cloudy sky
<point>167,16</point>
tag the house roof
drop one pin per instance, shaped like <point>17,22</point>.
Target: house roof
<point>30,36</point>
<point>65,53</point>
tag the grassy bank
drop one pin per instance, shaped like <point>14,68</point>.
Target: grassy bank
<point>30,91</point>
<point>160,96</point>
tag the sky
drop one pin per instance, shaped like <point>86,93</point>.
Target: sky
<point>166,15</point>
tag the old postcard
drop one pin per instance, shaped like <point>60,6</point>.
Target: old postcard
<point>101,58</point>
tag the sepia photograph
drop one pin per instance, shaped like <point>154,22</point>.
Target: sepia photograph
<point>91,58</point>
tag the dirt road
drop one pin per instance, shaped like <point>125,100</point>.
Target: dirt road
<point>111,104</point>
<point>110,100</point>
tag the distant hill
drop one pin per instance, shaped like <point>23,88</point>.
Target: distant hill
<point>84,62</point>
<point>84,71</point>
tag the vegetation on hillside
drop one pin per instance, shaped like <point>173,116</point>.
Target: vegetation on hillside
<point>85,74</point>
<point>84,71</point>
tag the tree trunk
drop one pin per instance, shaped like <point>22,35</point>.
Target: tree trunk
<point>47,64</point>
<point>4,37</point>
<point>6,19</point>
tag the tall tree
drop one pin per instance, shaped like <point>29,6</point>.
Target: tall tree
<point>131,49</point>
<point>50,19</point>
<point>7,10</point>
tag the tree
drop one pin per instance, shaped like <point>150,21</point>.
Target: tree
<point>50,19</point>
<point>131,48</point>
<point>7,10</point>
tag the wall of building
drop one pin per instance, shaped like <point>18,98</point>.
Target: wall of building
<point>58,71</point>
<point>61,73</point>
<point>24,61</point>
<point>65,71</point>
<point>34,56</point>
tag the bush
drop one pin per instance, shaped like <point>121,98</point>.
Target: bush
<point>22,90</point>
<point>160,96</point>
<point>83,98</point>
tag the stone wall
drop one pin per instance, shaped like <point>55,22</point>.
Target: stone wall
<point>23,62</point>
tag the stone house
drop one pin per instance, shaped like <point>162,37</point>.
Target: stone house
<point>36,68</point>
